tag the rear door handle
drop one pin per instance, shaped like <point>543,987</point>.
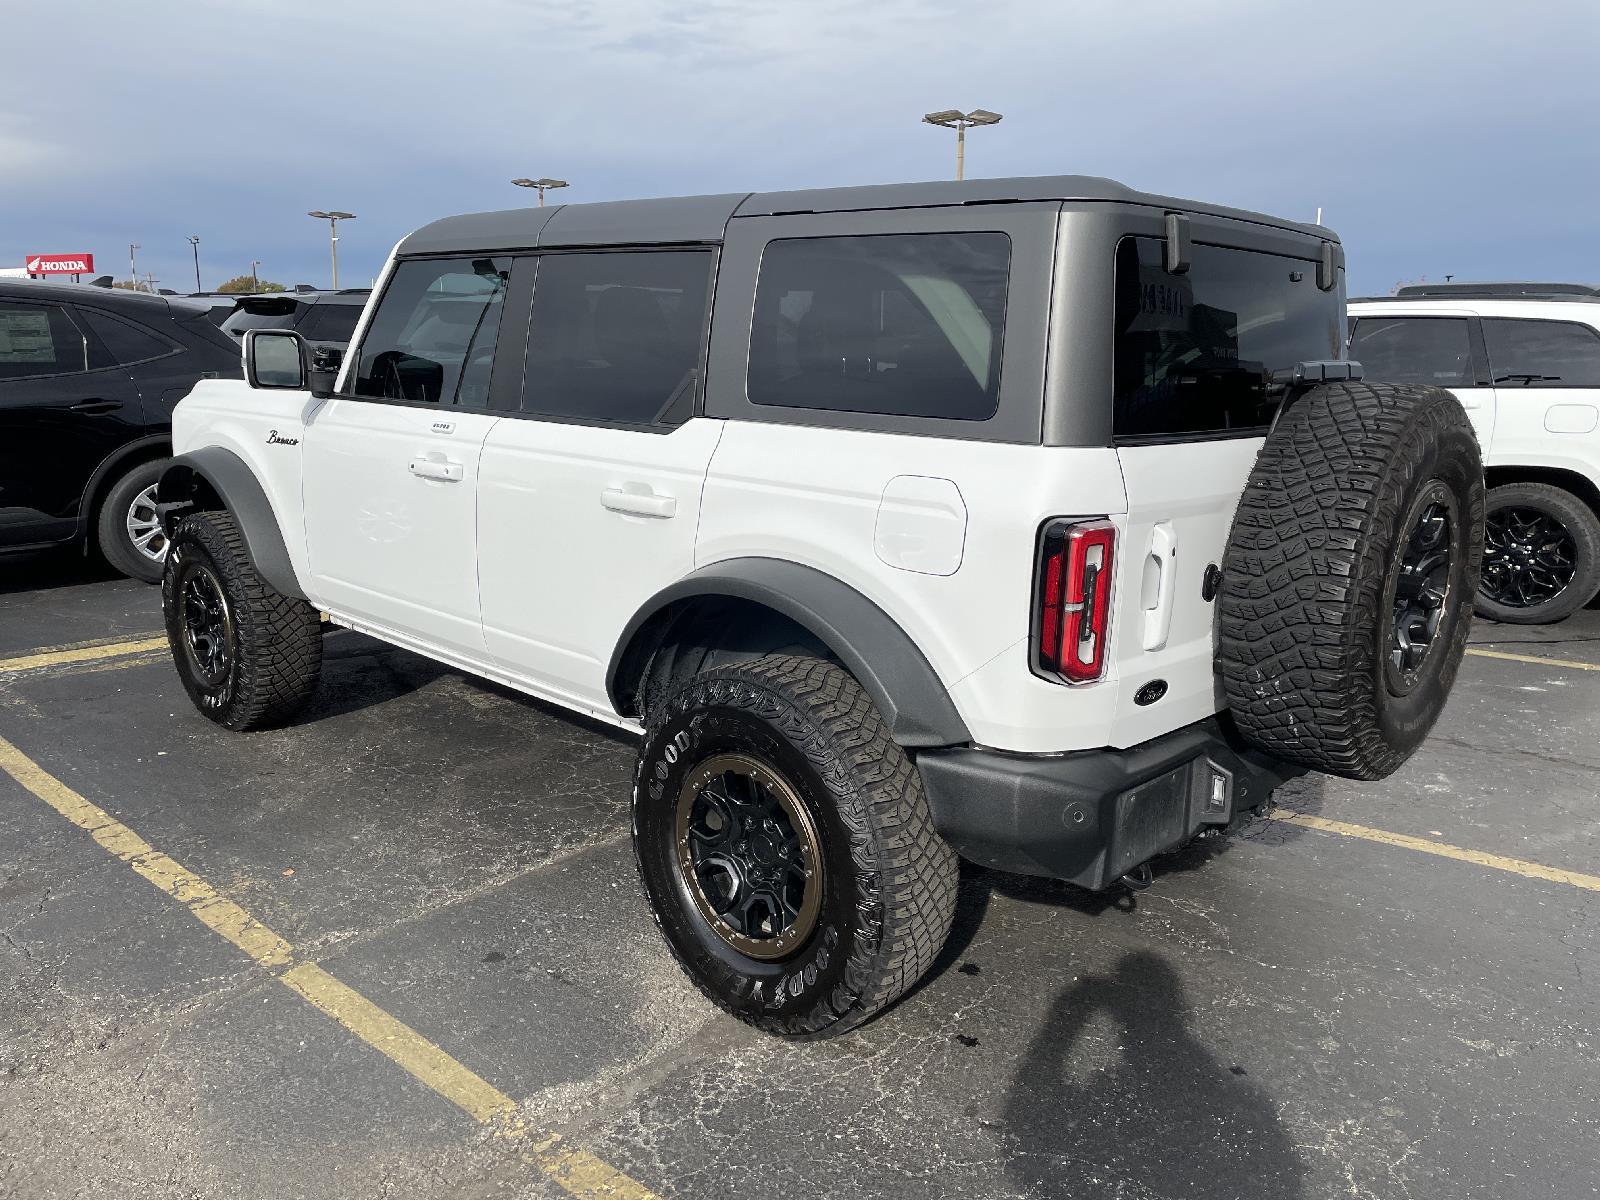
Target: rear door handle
<point>96,407</point>
<point>1164,559</point>
<point>639,504</point>
<point>442,469</point>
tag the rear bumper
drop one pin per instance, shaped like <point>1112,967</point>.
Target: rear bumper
<point>1090,817</point>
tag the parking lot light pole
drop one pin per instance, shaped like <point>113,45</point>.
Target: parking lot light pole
<point>951,118</point>
<point>333,219</point>
<point>133,264</point>
<point>542,184</point>
<point>255,277</point>
<point>194,244</point>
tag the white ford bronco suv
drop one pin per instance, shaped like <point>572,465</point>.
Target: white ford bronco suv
<point>1524,360</point>
<point>1036,521</point>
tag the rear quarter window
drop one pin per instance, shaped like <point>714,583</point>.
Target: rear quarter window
<point>908,325</point>
<point>1426,350</point>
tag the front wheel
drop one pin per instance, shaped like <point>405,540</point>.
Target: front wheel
<point>786,847</point>
<point>1541,555</point>
<point>248,656</point>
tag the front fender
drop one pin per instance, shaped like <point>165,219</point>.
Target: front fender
<point>229,479</point>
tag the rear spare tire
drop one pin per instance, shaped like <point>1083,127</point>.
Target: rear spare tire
<point>1349,576</point>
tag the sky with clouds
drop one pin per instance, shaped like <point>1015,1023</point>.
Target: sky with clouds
<point>1437,137</point>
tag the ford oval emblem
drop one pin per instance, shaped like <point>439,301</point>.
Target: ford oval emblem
<point>1151,692</point>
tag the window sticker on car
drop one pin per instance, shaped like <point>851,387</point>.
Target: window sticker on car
<point>25,338</point>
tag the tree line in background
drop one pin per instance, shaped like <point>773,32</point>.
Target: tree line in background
<point>239,284</point>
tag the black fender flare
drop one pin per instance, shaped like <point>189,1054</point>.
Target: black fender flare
<point>868,642</point>
<point>241,493</point>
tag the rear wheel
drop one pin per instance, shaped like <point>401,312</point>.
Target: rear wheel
<point>1348,579</point>
<point>248,656</point>
<point>129,531</point>
<point>1541,554</point>
<point>786,847</point>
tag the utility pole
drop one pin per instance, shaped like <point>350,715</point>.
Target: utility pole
<point>542,184</point>
<point>133,264</point>
<point>255,278</point>
<point>333,218</point>
<point>952,118</point>
<point>194,244</point>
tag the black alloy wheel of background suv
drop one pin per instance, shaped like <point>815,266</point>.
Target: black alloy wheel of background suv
<point>88,380</point>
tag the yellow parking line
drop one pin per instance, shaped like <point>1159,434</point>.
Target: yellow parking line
<point>577,1171</point>
<point>1516,866</point>
<point>1539,659</point>
<point>80,654</point>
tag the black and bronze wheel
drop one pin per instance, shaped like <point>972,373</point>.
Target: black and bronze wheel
<point>1541,554</point>
<point>786,848</point>
<point>247,655</point>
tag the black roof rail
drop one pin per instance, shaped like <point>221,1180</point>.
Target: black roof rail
<point>1497,291</point>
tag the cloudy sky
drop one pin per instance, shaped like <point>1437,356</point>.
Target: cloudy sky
<point>1437,137</point>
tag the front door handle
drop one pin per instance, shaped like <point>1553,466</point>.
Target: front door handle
<point>639,504</point>
<point>442,469</point>
<point>95,408</point>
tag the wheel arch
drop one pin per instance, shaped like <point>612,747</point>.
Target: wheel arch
<point>141,450</point>
<point>1576,482</point>
<point>216,478</point>
<point>864,639</point>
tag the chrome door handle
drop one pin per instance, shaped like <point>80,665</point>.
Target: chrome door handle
<point>639,504</point>
<point>436,468</point>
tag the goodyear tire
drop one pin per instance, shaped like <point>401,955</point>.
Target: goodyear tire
<point>248,656</point>
<point>786,848</point>
<point>1349,577</point>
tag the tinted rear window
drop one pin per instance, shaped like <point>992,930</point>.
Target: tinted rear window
<point>127,343</point>
<point>1430,350</point>
<point>243,319</point>
<point>330,322</point>
<point>1196,353</point>
<point>1542,353</point>
<point>900,324</point>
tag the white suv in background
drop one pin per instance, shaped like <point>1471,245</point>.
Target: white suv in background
<point>1524,360</point>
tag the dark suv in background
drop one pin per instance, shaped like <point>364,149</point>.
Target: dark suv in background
<point>88,380</point>
<point>321,318</point>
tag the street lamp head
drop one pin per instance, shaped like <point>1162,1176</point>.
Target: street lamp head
<point>982,116</point>
<point>540,183</point>
<point>946,117</point>
<point>952,118</point>
<point>332,216</point>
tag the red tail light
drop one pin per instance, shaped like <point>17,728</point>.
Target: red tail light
<point>1073,606</point>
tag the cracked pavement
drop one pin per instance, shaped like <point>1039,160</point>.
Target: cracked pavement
<point>1285,1014</point>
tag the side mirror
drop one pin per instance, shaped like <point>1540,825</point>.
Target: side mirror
<point>324,372</point>
<point>274,358</point>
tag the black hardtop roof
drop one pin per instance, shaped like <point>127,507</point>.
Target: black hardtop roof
<point>700,219</point>
<point>88,293</point>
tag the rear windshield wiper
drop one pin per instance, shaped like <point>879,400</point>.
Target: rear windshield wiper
<point>1525,380</point>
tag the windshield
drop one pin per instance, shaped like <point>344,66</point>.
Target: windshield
<point>1196,353</point>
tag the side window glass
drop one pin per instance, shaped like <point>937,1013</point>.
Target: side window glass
<point>39,339</point>
<point>617,336</point>
<point>899,324</point>
<point>126,342</point>
<point>432,338</point>
<point>1429,350</point>
<point>1542,353</point>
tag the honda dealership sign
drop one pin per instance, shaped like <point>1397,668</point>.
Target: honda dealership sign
<point>60,264</point>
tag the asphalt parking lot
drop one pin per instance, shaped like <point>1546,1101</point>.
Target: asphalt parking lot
<point>1385,997</point>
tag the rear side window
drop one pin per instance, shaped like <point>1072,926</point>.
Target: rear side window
<point>126,342</point>
<point>1429,350</point>
<point>907,325</point>
<point>617,336</point>
<point>432,338</point>
<point>1195,354</point>
<point>329,322</point>
<point>1542,353</point>
<point>39,339</point>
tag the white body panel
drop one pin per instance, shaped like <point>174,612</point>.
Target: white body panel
<point>391,518</point>
<point>814,495</point>
<point>578,527</point>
